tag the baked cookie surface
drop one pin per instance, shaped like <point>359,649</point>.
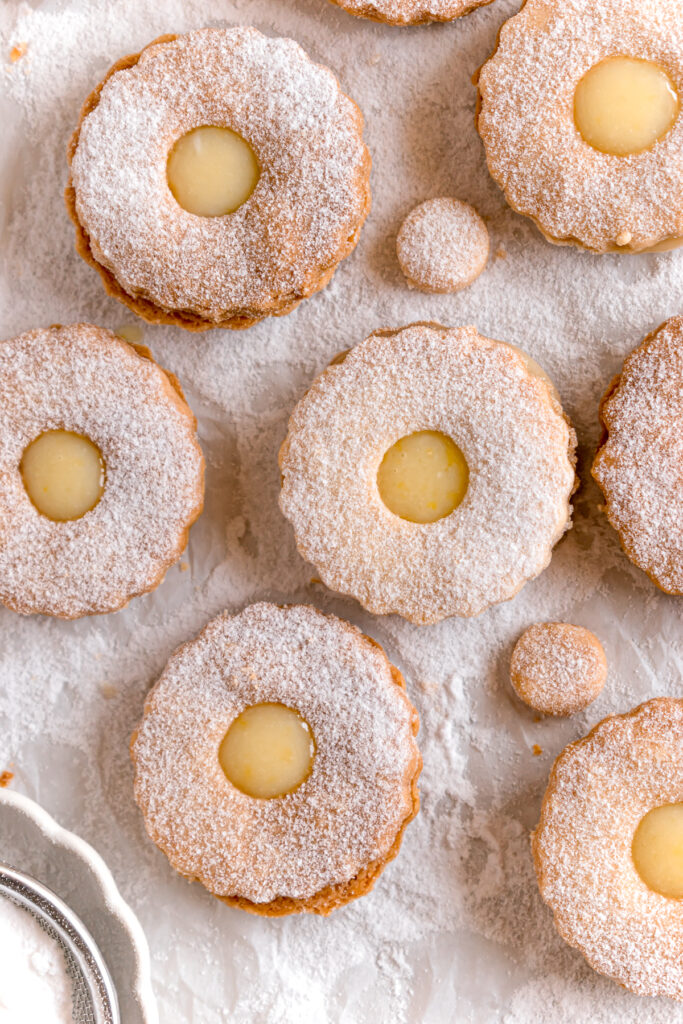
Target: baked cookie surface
<point>600,790</point>
<point>481,432</point>
<point>81,385</point>
<point>443,245</point>
<point>287,237</point>
<point>557,668</point>
<point>639,463</point>
<point>326,841</point>
<point>410,12</point>
<point>564,63</point>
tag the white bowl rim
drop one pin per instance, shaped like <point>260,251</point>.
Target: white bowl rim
<point>116,905</point>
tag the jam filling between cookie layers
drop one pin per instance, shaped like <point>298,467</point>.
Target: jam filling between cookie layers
<point>64,474</point>
<point>268,751</point>
<point>624,105</point>
<point>212,171</point>
<point>423,477</point>
<point>658,850</point>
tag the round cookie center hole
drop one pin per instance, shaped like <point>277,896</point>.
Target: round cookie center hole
<point>212,171</point>
<point>624,105</point>
<point>64,474</point>
<point>423,477</point>
<point>658,850</point>
<point>268,751</point>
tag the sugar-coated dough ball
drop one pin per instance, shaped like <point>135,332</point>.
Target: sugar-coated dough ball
<point>557,668</point>
<point>443,245</point>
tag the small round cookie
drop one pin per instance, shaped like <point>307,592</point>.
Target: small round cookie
<point>101,473</point>
<point>607,848</point>
<point>410,12</point>
<point>557,668</point>
<point>442,246</point>
<point>217,178</point>
<point>276,760</point>
<point>580,114</point>
<point>639,463</point>
<point>429,473</point>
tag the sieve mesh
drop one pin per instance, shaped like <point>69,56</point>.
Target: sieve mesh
<point>93,993</point>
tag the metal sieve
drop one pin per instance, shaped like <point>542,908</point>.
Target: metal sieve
<point>94,995</point>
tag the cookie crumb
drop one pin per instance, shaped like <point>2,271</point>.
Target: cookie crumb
<point>17,52</point>
<point>5,779</point>
<point>536,750</point>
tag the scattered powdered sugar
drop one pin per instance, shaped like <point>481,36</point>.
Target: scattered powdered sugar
<point>519,451</point>
<point>309,203</point>
<point>639,467</point>
<point>557,668</point>
<point>348,812</point>
<point>455,927</point>
<point>533,148</point>
<point>411,12</point>
<point>34,985</point>
<point>83,379</point>
<point>600,790</point>
<point>443,245</point>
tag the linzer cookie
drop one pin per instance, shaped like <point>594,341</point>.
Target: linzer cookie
<point>217,178</point>
<point>410,12</point>
<point>276,761</point>
<point>428,472</point>
<point>639,463</point>
<point>580,115</point>
<point>608,848</point>
<point>101,474</point>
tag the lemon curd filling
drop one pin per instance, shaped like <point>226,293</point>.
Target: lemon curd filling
<point>64,474</point>
<point>212,171</point>
<point>423,477</point>
<point>658,850</point>
<point>624,105</point>
<point>268,751</point>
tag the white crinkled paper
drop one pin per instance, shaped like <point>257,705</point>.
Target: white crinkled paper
<point>455,929</point>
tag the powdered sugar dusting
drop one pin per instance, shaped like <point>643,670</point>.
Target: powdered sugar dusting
<point>34,984</point>
<point>558,668</point>
<point>533,148</point>
<point>83,379</point>
<point>344,816</point>
<point>411,12</point>
<point>443,245</point>
<point>600,790</point>
<point>309,203</point>
<point>456,925</point>
<point>640,465</point>
<point>519,450</point>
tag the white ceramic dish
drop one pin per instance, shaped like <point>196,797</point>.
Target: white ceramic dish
<point>33,842</point>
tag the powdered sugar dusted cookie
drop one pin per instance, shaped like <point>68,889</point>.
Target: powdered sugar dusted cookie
<point>443,245</point>
<point>101,473</point>
<point>638,465</point>
<point>580,115</point>
<point>558,668</point>
<point>410,12</point>
<point>429,473</point>
<point>276,761</point>
<point>607,848</point>
<point>217,178</point>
